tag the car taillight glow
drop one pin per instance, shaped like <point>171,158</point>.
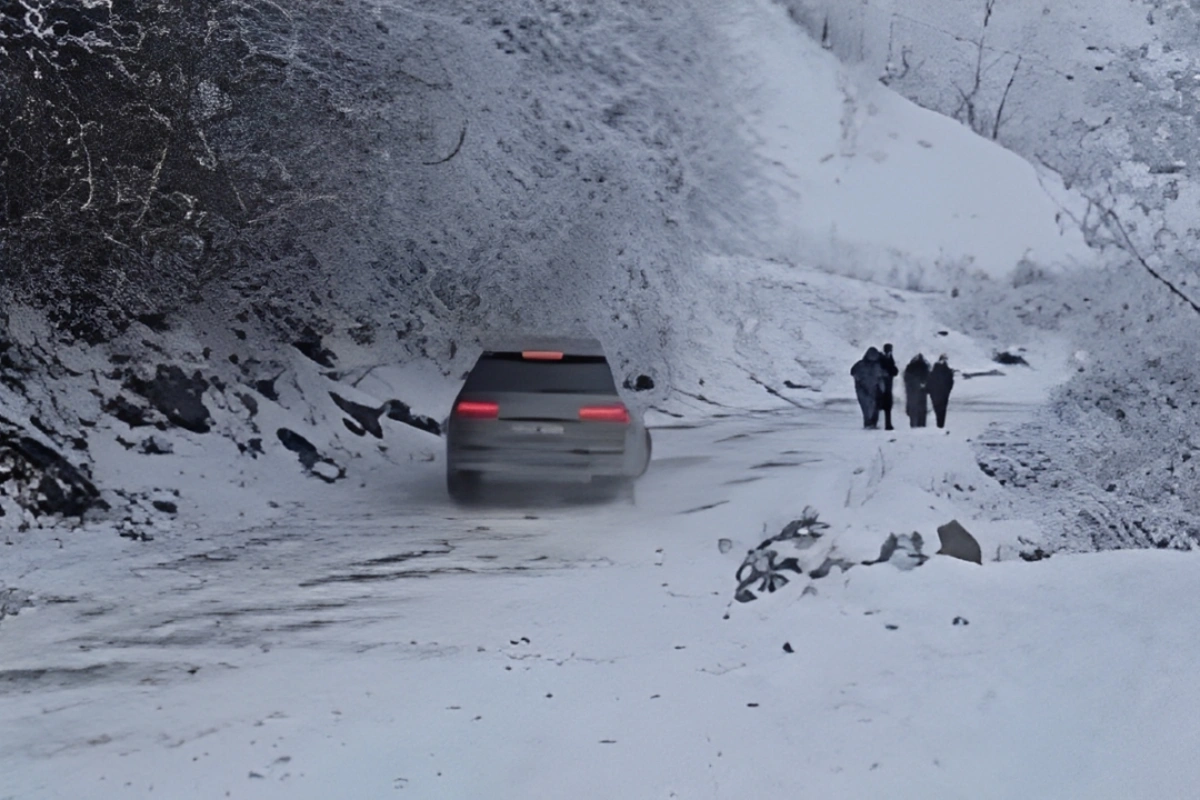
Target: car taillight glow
<point>610,413</point>
<point>541,355</point>
<point>474,409</point>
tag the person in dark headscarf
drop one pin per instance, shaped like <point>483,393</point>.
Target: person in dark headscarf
<point>941,381</point>
<point>868,376</point>
<point>916,391</point>
<point>888,363</point>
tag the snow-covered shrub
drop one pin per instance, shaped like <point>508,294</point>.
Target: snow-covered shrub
<point>1114,460</point>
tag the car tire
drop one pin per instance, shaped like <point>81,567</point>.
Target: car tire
<point>649,452</point>
<point>463,486</point>
<point>616,489</point>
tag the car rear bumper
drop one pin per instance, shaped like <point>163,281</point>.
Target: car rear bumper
<point>555,465</point>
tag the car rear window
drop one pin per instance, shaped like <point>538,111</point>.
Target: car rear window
<point>510,372</point>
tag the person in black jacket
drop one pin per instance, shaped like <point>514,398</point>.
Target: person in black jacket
<point>916,391</point>
<point>941,381</point>
<point>868,376</point>
<point>890,371</point>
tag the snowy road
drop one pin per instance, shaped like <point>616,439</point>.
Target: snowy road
<point>592,650</point>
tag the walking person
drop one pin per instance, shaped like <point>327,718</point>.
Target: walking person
<point>868,376</point>
<point>941,381</point>
<point>916,391</point>
<point>890,371</point>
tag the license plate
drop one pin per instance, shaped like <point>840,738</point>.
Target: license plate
<point>520,427</point>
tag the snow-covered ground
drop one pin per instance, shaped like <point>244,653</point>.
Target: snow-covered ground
<point>390,644</point>
<point>284,637</point>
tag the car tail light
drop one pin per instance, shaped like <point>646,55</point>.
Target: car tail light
<point>610,413</point>
<point>473,409</point>
<point>541,355</point>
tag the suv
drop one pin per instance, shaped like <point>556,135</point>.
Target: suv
<point>543,410</point>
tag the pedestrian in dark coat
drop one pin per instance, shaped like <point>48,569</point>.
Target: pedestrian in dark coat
<point>941,381</point>
<point>916,391</point>
<point>890,371</point>
<point>868,385</point>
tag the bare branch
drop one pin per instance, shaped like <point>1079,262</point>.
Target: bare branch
<point>1114,223</point>
<point>1003,99</point>
<point>153,183</point>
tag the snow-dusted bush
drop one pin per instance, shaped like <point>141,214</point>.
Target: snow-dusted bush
<point>1114,459</point>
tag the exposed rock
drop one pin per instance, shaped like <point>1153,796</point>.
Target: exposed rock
<point>40,480</point>
<point>827,567</point>
<point>266,388</point>
<point>1009,359</point>
<point>311,346</point>
<point>312,460</point>
<point>400,412</point>
<point>177,396</point>
<point>153,446</point>
<point>249,402</point>
<point>641,383</point>
<point>903,551</point>
<point>132,415</point>
<point>366,417</point>
<point>957,543</point>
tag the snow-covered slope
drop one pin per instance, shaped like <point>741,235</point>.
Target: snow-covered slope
<point>867,184</point>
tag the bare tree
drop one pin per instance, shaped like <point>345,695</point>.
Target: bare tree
<point>970,108</point>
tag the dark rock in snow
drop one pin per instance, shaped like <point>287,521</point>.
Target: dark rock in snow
<point>155,322</point>
<point>312,460</point>
<point>166,506</point>
<point>132,415</point>
<point>299,445</point>
<point>311,346</point>
<point>400,412</point>
<point>641,383</point>
<point>249,402</point>
<point>152,446</point>
<point>266,388</point>
<point>42,480</point>
<point>827,567</point>
<point>366,417</point>
<point>904,551</point>
<point>956,542</point>
<point>177,396</point>
<point>1009,359</point>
